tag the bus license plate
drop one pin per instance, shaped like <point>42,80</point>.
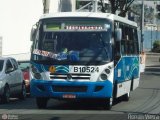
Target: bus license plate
<point>70,96</point>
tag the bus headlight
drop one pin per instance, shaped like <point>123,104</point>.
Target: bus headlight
<point>103,76</point>
<point>36,73</point>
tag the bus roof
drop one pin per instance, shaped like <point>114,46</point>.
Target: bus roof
<point>89,15</point>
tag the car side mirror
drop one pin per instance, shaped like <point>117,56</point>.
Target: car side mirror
<point>9,70</point>
<point>118,33</point>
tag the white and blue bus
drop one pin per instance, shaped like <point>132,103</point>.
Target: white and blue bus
<point>84,56</point>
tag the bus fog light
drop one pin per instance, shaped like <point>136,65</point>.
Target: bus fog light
<point>104,76</point>
<point>36,73</point>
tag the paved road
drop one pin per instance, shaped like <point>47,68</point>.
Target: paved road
<point>144,100</point>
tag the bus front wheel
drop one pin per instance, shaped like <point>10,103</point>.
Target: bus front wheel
<point>108,103</point>
<point>41,102</point>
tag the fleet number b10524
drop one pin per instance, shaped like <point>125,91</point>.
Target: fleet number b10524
<point>86,69</point>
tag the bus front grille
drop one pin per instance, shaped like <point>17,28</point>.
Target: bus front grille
<point>71,76</point>
<point>58,88</point>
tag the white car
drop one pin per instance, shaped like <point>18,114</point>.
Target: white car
<point>11,80</point>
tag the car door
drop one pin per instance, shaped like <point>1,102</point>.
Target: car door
<point>18,76</point>
<point>10,76</point>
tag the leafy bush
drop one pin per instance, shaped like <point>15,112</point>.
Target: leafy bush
<point>156,46</point>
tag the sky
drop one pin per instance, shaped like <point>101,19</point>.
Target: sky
<point>16,20</point>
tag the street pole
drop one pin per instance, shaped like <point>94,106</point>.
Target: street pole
<point>156,32</point>
<point>151,36</point>
<point>95,4</point>
<point>142,27</point>
<point>73,5</point>
<point>46,5</point>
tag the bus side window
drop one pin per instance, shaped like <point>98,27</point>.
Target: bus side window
<point>127,45</point>
<point>136,44</point>
<point>124,39</point>
<point>130,41</point>
<point>117,49</point>
<point>123,47</point>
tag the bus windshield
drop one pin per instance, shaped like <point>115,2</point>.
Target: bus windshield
<point>74,46</point>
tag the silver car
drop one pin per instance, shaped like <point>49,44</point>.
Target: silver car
<point>11,80</point>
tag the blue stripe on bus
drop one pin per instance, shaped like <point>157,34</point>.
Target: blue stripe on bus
<point>48,90</point>
<point>133,69</point>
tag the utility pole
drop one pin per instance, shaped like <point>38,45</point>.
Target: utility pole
<point>151,36</point>
<point>95,3</point>
<point>46,5</point>
<point>142,27</point>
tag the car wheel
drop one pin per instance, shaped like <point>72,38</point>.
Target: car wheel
<point>23,93</point>
<point>41,102</point>
<point>6,95</point>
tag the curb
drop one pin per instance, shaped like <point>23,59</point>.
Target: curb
<point>153,54</point>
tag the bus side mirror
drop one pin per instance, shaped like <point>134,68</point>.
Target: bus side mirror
<point>33,32</point>
<point>118,34</point>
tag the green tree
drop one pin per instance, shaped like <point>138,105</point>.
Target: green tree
<point>148,13</point>
<point>158,12</point>
<point>122,6</point>
<point>156,46</point>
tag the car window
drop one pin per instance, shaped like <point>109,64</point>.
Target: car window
<point>15,64</point>
<point>1,64</point>
<point>24,66</point>
<point>9,65</point>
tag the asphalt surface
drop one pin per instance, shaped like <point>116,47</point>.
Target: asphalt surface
<point>144,103</point>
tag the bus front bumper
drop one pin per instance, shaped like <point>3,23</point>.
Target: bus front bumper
<point>60,90</point>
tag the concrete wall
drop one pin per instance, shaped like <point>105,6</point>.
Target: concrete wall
<point>149,38</point>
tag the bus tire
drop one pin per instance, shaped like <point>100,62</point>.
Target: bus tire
<point>126,97</point>
<point>108,103</point>
<point>41,102</point>
<point>132,81</point>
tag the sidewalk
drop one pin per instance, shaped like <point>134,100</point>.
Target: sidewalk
<point>152,54</point>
